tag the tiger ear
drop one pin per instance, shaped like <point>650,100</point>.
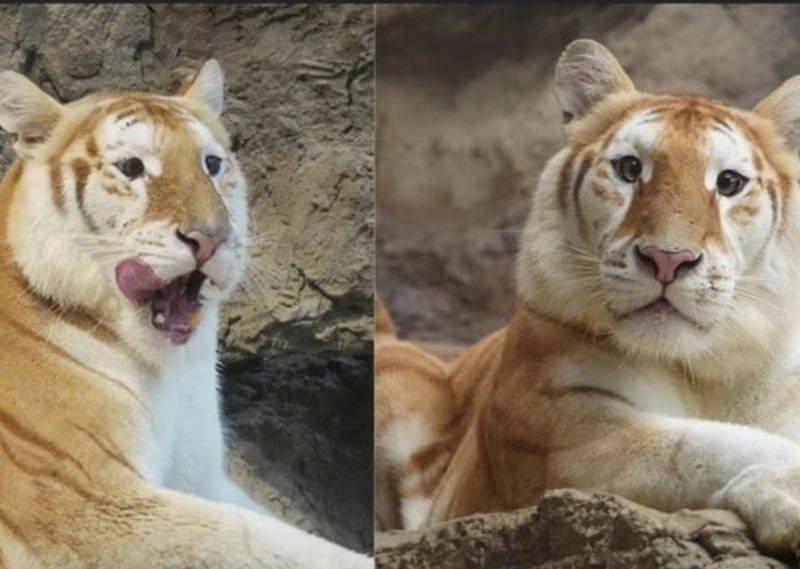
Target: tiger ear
<point>26,112</point>
<point>782,106</point>
<point>585,73</point>
<point>207,86</point>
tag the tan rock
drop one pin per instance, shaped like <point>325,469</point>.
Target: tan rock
<point>572,530</point>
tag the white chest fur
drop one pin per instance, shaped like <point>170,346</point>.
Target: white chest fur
<point>650,388</point>
<point>183,444</point>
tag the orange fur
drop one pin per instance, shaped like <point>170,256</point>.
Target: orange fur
<point>677,391</point>
<point>92,388</point>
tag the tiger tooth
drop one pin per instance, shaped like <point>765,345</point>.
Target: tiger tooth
<point>159,318</point>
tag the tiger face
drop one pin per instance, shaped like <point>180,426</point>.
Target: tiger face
<point>667,221</point>
<point>131,206</point>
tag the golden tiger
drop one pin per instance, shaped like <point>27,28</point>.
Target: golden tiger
<point>124,227</point>
<point>655,348</point>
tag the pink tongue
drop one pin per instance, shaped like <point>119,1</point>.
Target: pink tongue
<point>136,280</point>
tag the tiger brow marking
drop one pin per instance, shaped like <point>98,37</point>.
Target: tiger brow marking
<point>651,116</point>
<point>720,125</point>
<point>122,116</point>
<point>724,129</point>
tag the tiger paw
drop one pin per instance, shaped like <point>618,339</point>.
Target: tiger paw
<point>767,497</point>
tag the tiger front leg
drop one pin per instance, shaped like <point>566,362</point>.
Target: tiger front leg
<point>678,463</point>
<point>600,444</point>
<point>167,529</point>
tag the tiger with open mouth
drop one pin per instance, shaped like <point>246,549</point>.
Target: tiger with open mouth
<point>123,224</point>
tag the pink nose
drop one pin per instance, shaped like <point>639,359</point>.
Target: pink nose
<point>203,246</point>
<point>666,264</point>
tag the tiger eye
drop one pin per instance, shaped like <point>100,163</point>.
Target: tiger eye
<point>131,167</point>
<point>628,168</point>
<point>730,183</point>
<point>213,164</point>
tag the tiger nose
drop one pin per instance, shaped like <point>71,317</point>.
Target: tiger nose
<point>203,245</point>
<point>666,264</point>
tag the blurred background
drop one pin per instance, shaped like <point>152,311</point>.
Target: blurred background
<point>466,117</point>
<point>297,339</point>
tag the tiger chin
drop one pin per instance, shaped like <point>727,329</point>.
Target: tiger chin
<point>655,348</point>
<point>124,228</point>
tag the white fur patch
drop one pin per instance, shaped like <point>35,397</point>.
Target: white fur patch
<point>727,149</point>
<point>646,387</point>
<point>414,511</point>
<point>406,436</point>
<point>638,136</point>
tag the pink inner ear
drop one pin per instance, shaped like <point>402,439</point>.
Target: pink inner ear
<point>136,280</point>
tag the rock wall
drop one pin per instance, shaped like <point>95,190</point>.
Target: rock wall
<point>296,339</point>
<point>572,530</point>
<point>466,118</point>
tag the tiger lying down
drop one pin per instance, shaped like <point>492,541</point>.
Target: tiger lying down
<point>655,348</point>
<point>124,226</point>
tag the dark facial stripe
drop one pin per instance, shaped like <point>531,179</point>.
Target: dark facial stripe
<point>122,116</point>
<point>56,185</point>
<point>651,116</point>
<point>91,147</point>
<point>720,126</point>
<point>773,201</point>
<point>81,169</point>
<point>563,184</point>
<point>576,194</point>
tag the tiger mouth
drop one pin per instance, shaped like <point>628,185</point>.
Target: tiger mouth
<point>661,310</point>
<point>175,309</point>
<point>174,305</point>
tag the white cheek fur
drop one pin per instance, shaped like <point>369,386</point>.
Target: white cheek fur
<point>727,149</point>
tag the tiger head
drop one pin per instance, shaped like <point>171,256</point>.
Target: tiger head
<point>127,206</point>
<point>667,223</point>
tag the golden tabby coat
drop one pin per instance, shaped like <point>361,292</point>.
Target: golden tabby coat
<point>124,227</point>
<point>655,348</point>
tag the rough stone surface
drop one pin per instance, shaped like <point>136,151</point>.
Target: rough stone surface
<point>571,530</point>
<point>299,103</point>
<point>465,120</point>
